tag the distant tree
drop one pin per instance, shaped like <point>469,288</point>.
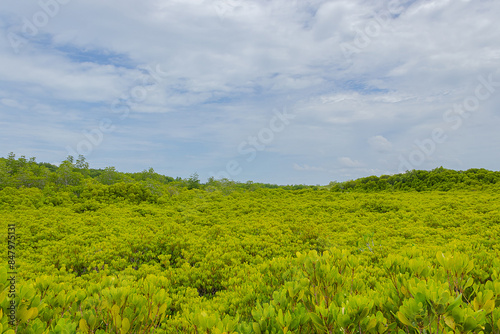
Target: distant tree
<point>110,176</point>
<point>4,175</point>
<point>66,175</point>
<point>193,182</point>
<point>81,163</point>
<point>12,164</point>
<point>50,167</point>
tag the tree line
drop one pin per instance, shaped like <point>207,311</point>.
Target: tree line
<point>75,173</point>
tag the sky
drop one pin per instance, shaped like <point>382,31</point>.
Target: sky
<point>274,91</point>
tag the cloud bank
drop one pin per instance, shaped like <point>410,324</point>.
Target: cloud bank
<point>194,86</point>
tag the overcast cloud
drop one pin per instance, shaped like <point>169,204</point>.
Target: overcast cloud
<point>278,91</point>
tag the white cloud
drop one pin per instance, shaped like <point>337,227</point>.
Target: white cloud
<point>12,103</point>
<point>308,168</point>
<point>348,162</point>
<point>380,143</point>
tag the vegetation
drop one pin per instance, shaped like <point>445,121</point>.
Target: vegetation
<point>99,251</point>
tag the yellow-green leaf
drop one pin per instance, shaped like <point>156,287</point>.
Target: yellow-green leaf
<point>162,309</point>
<point>256,328</point>
<point>450,321</point>
<point>489,306</point>
<point>83,325</point>
<point>115,310</point>
<point>23,314</point>
<point>33,312</point>
<point>2,296</point>
<point>125,325</point>
<point>92,320</point>
<point>117,321</point>
<point>469,283</point>
<point>371,324</point>
<point>403,319</point>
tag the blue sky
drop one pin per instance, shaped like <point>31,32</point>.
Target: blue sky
<point>287,92</point>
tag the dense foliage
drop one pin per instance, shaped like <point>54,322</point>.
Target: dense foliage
<point>98,251</point>
<point>421,180</point>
